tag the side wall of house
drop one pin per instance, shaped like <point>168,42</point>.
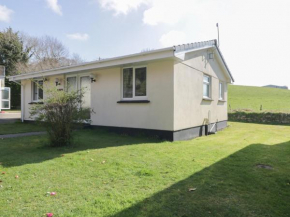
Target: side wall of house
<point>156,115</point>
<point>190,109</point>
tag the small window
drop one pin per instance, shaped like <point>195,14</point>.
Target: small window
<point>221,91</point>
<point>134,82</point>
<point>206,86</point>
<point>37,88</point>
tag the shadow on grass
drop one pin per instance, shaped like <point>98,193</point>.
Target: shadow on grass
<point>35,149</point>
<point>234,186</point>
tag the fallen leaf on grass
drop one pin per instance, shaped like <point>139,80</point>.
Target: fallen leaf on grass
<point>16,177</point>
<point>191,189</point>
<point>92,159</point>
<point>3,173</point>
<point>103,161</point>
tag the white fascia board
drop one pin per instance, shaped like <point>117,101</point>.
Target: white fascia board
<point>181,54</point>
<point>106,63</point>
<point>223,64</point>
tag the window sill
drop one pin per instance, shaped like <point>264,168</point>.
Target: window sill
<point>35,103</point>
<point>133,101</point>
<point>221,100</point>
<point>207,99</point>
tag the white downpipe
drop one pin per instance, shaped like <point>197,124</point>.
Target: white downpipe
<point>22,103</point>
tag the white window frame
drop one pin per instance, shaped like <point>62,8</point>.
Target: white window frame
<point>78,78</point>
<point>221,90</point>
<point>5,100</point>
<point>32,88</point>
<point>122,86</point>
<point>207,83</point>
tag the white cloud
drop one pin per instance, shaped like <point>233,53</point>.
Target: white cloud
<point>253,34</point>
<point>173,38</point>
<point>78,36</point>
<point>5,13</point>
<point>122,6</point>
<point>53,5</point>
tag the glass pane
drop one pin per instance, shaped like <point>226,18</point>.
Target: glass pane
<point>40,90</point>
<point>5,104</point>
<point>206,90</point>
<point>86,86</point>
<point>34,86</point>
<point>71,84</point>
<point>128,83</point>
<point>5,93</point>
<point>206,78</point>
<point>221,90</point>
<point>140,82</point>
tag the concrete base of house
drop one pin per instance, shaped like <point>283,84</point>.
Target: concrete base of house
<point>179,135</point>
<point>185,134</point>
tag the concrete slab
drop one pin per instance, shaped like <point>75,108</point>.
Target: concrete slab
<point>9,117</point>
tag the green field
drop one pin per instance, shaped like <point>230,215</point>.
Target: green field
<point>251,98</point>
<point>106,174</point>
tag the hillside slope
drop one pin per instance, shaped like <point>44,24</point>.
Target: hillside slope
<point>248,97</point>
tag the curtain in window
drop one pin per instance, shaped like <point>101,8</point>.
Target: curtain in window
<point>35,95</point>
<point>140,82</point>
<point>85,83</point>
<point>40,89</point>
<point>128,83</point>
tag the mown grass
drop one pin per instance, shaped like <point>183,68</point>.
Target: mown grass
<point>251,98</point>
<point>19,127</point>
<point>106,174</point>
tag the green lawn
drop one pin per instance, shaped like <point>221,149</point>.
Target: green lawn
<point>115,175</point>
<point>19,127</point>
<point>247,97</point>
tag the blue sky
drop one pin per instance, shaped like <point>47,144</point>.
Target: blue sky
<point>254,33</point>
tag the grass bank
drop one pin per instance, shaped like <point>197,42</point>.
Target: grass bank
<point>106,174</point>
<point>247,98</point>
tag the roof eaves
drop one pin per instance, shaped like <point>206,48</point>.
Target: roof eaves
<point>18,77</point>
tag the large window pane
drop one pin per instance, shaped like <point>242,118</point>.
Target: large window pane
<point>206,90</point>
<point>140,82</point>
<point>5,104</point>
<point>35,95</point>
<point>86,86</point>
<point>71,84</point>
<point>128,83</point>
<point>40,90</point>
<point>5,94</point>
<point>206,86</point>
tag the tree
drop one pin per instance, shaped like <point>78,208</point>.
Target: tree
<point>46,53</point>
<point>12,53</point>
<point>61,113</point>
